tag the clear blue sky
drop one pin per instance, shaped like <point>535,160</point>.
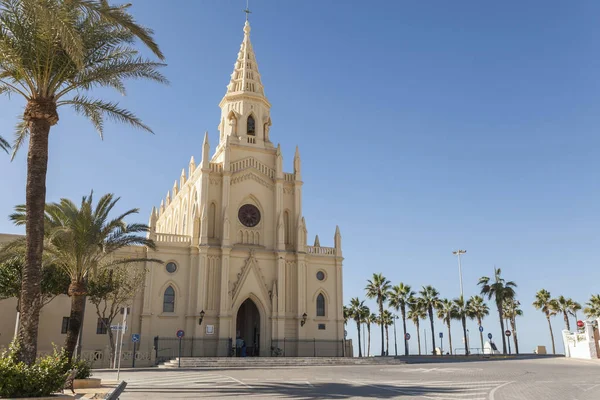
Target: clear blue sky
<point>423,127</point>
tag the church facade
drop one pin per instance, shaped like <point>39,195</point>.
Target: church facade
<point>237,269</point>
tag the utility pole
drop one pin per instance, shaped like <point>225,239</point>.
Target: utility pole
<point>425,332</point>
<point>458,253</point>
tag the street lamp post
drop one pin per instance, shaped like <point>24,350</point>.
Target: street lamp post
<point>458,253</point>
<point>395,342</point>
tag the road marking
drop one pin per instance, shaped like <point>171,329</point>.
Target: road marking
<point>592,386</point>
<point>241,383</point>
<point>493,392</point>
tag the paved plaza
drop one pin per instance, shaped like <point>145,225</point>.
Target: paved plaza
<point>544,379</point>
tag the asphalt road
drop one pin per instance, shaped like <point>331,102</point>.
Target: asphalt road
<point>544,379</point>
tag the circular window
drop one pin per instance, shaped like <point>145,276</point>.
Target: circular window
<point>171,267</point>
<point>321,275</point>
<point>249,215</point>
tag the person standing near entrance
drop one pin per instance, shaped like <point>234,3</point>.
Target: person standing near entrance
<point>239,343</point>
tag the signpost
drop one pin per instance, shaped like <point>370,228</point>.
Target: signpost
<point>507,333</point>
<point>180,335</point>
<point>480,328</point>
<point>407,336</point>
<point>135,338</point>
<point>441,343</point>
<point>490,336</point>
<point>119,348</point>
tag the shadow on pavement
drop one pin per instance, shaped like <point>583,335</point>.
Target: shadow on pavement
<point>300,390</point>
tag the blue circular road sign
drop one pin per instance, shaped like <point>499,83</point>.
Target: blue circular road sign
<point>180,333</point>
<point>489,335</point>
<point>480,328</point>
<point>135,337</point>
<point>441,335</point>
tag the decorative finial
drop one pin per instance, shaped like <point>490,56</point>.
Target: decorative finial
<point>247,10</point>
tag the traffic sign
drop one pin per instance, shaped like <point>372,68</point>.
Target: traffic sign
<point>407,336</point>
<point>507,332</point>
<point>118,328</point>
<point>180,333</point>
<point>580,324</point>
<point>135,337</point>
<point>489,336</point>
<point>480,328</point>
<point>345,333</point>
<point>441,335</point>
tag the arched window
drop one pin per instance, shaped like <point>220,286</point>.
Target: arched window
<point>251,126</point>
<point>169,300</point>
<point>212,223</point>
<point>320,305</point>
<point>286,228</point>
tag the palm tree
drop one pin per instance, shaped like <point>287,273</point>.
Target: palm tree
<point>4,145</point>
<point>478,310</point>
<point>378,288</point>
<point>386,320</point>
<point>543,302</point>
<point>565,306</point>
<point>416,312</point>
<point>430,299</point>
<point>500,290</point>
<point>356,313</point>
<point>346,312</point>
<point>371,319</point>
<point>593,307</point>
<point>511,312</point>
<point>576,307</point>
<point>83,239</point>
<point>446,313</point>
<point>462,311</point>
<point>51,53</point>
<point>399,297</point>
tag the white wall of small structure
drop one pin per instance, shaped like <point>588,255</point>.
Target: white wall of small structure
<point>581,345</point>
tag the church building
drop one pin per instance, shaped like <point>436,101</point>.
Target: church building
<point>237,269</point>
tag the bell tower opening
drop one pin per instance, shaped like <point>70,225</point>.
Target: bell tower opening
<point>247,330</point>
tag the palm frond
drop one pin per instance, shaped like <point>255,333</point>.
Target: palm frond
<point>21,134</point>
<point>4,145</point>
<point>96,109</point>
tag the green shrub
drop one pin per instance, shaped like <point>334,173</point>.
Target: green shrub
<point>43,378</point>
<point>84,369</point>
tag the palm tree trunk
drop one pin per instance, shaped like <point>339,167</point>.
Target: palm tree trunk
<point>418,335</point>
<point>449,337</point>
<point>430,311</point>
<point>380,300</point>
<point>480,334</point>
<point>567,321</point>
<point>513,322</point>
<point>77,292</point>
<point>464,325</point>
<point>387,341</point>
<point>551,333</point>
<point>404,326</point>
<point>369,340</point>
<point>502,328</point>
<point>359,348</point>
<point>35,200</point>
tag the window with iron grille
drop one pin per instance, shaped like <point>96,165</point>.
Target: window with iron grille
<point>102,326</point>
<point>320,305</point>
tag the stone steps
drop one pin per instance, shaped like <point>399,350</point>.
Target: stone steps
<point>249,362</point>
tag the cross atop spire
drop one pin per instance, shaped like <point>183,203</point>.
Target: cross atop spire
<point>247,10</point>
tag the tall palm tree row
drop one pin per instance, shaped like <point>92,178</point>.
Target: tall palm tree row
<point>593,307</point>
<point>478,310</point>
<point>543,302</point>
<point>500,290</point>
<point>566,307</point>
<point>511,311</point>
<point>430,300</point>
<point>378,288</point>
<point>386,320</point>
<point>416,312</point>
<point>356,312</point>
<point>83,239</point>
<point>50,68</point>
<point>400,296</point>
<point>446,312</point>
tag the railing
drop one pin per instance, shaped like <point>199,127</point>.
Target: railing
<point>215,167</point>
<point>251,140</point>
<point>171,238</point>
<point>307,348</point>
<point>168,347</point>
<point>289,177</point>
<point>323,251</point>
<point>252,163</point>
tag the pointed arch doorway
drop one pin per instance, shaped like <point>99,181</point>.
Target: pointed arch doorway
<point>248,329</point>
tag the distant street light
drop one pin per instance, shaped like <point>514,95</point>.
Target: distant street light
<point>458,253</point>
<point>395,343</point>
